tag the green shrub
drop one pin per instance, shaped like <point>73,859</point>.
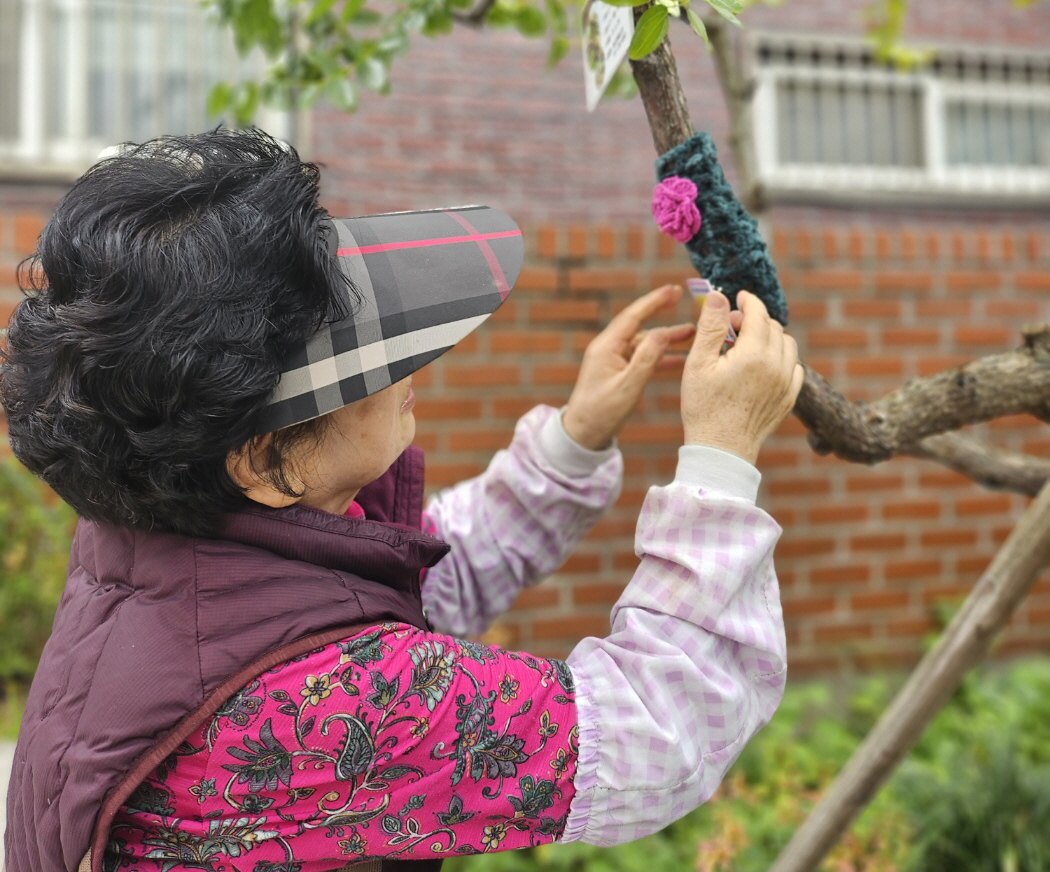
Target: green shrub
<point>973,795</point>
<point>35,532</point>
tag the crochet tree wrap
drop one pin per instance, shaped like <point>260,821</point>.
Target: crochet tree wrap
<point>727,250</point>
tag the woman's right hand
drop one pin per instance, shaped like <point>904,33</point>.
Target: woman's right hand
<point>733,401</point>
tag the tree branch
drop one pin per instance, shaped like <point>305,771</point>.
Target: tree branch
<point>661,91</point>
<point>1017,382</point>
<point>737,78</point>
<point>986,464</point>
<point>476,16</point>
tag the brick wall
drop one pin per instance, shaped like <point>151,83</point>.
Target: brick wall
<point>869,555</point>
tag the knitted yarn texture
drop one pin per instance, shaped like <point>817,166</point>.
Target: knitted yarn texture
<point>727,250</point>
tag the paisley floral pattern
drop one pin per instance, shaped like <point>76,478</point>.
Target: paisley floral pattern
<point>395,742</point>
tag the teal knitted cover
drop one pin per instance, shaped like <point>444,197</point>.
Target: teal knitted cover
<point>727,250</point>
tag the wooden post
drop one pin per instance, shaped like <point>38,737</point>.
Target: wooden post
<point>964,643</point>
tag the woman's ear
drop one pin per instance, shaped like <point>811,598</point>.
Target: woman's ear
<point>241,467</point>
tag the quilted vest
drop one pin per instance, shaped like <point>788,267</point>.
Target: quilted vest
<point>154,631</point>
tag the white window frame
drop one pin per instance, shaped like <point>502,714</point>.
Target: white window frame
<point>32,151</point>
<point>935,179</point>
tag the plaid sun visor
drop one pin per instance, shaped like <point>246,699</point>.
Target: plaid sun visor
<point>425,280</point>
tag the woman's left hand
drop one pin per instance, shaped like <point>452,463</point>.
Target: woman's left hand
<point>617,366</point>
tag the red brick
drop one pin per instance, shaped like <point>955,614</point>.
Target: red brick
<point>832,280</point>
<point>541,597</point>
<point>547,241</point>
<point>974,280</point>
<point>911,336</point>
<point>799,487</point>
<point>837,514</point>
<point>835,338</point>
<point>565,311</point>
<point>577,242</point>
<point>603,279</point>
<point>605,242</point>
<point>874,482</point>
<point>487,375</point>
<point>27,228</point>
<point>572,627</point>
<point>944,308</point>
<point>898,569</point>
<point>596,594</point>
<point>842,633</point>
<point>996,336</point>
<point>438,408</point>
<point>812,605</point>
<point>948,538</point>
<point>877,541</point>
<point>1039,282</point>
<point>944,478</point>
<point>912,510</point>
<point>808,310</point>
<point>838,575</point>
<point>478,440</point>
<point>879,600</point>
<point>989,504</point>
<point>872,308</point>
<point>555,374</point>
<point>1012,308</point>
<point>636,433</point>
<point>666,246</point>
<point>519,341</point>
<point>857,245</point>
<point>914,627</point>
<point>910,281</point>
<point>635,243</point>
<point>872,366</point>
<point>831,244</point>
<point>803,546</point>
<point>445,474</point>
<point>538,278</point>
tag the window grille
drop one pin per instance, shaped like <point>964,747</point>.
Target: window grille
<point>829,118</point>
<point>77,76</point>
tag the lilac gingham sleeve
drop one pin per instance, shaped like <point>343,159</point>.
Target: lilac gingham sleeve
<point>695,663</point>
<point>516,523</point>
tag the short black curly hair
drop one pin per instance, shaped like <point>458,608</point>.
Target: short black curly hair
<point>164,294</point>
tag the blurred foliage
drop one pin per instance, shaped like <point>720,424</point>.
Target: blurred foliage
<point>973,795</point>
<point>35,532</point>
<point>335,49</point>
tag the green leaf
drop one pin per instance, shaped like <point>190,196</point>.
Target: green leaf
<point>218,99</point>
<point>559,48</point>
<point>625,2</point>
<point>531,22</point>
<point>727,9</point>
<point>697,23</point>
<point>649,32</point>
<point>320,9</point>
<point>373,74</point>
<point>342,93</point>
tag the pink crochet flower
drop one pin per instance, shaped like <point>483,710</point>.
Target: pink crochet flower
<point>674,208</point>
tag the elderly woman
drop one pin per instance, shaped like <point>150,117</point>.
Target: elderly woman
<point>258,662</point>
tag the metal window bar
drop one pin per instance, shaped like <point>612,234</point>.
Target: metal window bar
<point>836,118</point>
<point>79,75</point>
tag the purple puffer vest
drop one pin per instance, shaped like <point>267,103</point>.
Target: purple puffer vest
<point>155,631</point>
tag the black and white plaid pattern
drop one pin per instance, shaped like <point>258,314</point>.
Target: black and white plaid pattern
<point>425,279</point>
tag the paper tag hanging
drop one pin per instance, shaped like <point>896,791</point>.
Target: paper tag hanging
<point>607,32</point>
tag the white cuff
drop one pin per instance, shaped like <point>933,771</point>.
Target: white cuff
<point>565,454</point>
<point>716,470</point>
